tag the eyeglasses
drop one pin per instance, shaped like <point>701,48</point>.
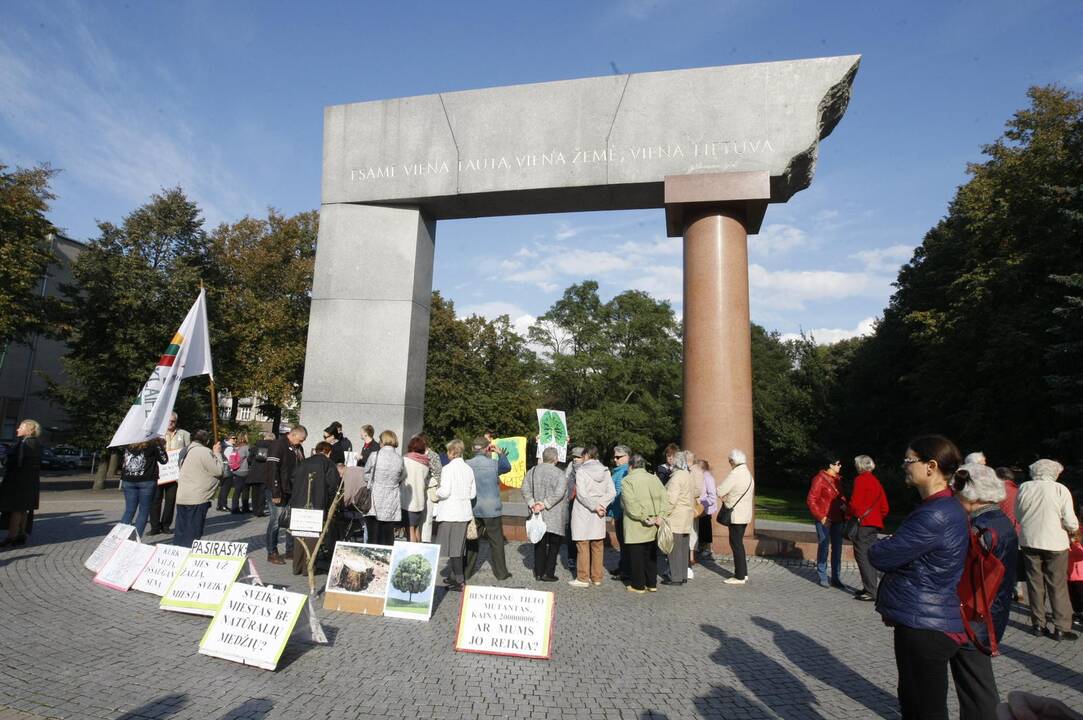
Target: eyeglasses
<point>618,457</point>
<point>911,461</point>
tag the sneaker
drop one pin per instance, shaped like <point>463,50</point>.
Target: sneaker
<point>690,576</point>
<point>578,583</point>
<point>637,591</point>
<point>652,589</point>
<point>864,596</point>
<point>592,582</point>
<point>735,581</point>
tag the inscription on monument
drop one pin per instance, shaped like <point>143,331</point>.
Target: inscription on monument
<point>573,156</point>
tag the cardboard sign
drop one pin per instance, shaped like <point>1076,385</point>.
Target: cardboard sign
<point>306,523</point>
<point>108,546</point>
<point>553,432</point>
<point>515,449</point>
<point>412,583</point>
<point>170,471</point>
<point>204,579</point>
<point>161,569</point>
<point>125,565</point>
<point>505,621</point>
<point>253,625</point>
<point>357,579</point>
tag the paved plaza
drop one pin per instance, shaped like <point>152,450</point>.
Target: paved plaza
<point>779,647</point>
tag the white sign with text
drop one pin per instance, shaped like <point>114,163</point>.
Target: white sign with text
<point>505,621</point>
<point>204,578</point>
<point>161,569</point>
<point>306,523</point>
<point>253,625</point>
<point>170,471</point>
<point>108,546</point>
<point>125,565</point>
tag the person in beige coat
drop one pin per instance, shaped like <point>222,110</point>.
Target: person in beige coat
<point>737,493</point>
<point>682,495</point>
<point>1044,510</point>
<point>594,490</point>
<point>199,477</point>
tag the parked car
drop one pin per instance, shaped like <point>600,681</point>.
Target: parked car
<point>50,460</point>
<point>80,458</point>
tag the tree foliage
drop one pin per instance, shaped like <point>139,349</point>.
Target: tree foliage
<point>24,250</point>
<point>412,575</point>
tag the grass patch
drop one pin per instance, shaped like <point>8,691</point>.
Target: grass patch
<point>421,608</point>
<point>788,505</point>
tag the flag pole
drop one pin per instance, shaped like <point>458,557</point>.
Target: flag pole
<point>214,399</point>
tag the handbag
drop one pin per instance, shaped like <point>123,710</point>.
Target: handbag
<point>665,537</point>
<point>852,525</point>
<point>472,529</point>
<point>725,515</point>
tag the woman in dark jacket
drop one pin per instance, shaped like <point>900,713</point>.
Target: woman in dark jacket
<point>139,479</point>
<point>340,444</point>
<point>22,482</point>
<point>922,563</point>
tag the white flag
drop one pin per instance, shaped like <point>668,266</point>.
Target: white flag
<point>188,355</point>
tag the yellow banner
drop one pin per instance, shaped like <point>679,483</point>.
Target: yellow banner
<point>515,447</point>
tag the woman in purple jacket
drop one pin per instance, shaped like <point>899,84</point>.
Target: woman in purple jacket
<point>922,564</point>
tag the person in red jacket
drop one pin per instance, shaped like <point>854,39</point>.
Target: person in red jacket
<point>828,508</point>
<point>868,505</point>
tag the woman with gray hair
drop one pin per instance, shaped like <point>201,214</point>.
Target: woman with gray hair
<point>21,487</point>
<point>1044,510</point>
<point>736,495</point>
<point>681,495</point>
<point>868,506</point>
<point>979,490</point>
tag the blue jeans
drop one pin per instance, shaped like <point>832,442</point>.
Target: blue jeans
<point>831,532</point>
<point>273,511</point>
<point>189,527</point>
<point>137,499</point>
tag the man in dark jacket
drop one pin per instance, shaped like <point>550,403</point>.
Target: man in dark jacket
<point>257,473</point>
<point>282,459</point>
<point>315,482</point>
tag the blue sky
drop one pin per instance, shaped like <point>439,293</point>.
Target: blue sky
<point>226,100</point>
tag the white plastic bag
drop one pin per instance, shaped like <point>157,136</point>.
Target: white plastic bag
<point>535,528</point>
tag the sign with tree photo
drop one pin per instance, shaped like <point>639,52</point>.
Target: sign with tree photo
<point>413,580</point>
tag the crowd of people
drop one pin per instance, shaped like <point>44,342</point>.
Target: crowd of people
<point>921,576</point>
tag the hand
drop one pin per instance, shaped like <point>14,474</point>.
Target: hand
<point>823,520</point>
<point>161,441</point>
<point>276,501</point>
<point>537,507</point>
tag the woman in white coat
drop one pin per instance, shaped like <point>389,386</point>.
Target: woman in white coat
<point>594,491</point>
<point>737,494</point>
<point>454,512</point>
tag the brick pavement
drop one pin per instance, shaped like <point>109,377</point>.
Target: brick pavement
<point>779,647</point>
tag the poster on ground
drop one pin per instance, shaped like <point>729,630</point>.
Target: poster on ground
<point>170,471</point>
<point>412,583</point>
<point>161,569</point>
<point>357,579</point>
<point>253,625</point>
<point>505,621</point>
<point>124,565</point>
<point>515,449</point>
<point>204,577</point>
<point>108,546</point>
<point>553,432</point>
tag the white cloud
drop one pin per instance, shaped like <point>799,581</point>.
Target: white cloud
<point>520,319</point>
<point>884,260</point>
<point>776,240</point>
<point>71,95</point>
<point>792,289</point>
<point>827,336</point>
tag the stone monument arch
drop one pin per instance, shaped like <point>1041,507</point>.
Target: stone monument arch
<point>712,146</point>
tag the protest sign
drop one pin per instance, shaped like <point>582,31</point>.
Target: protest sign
<point>505,621</point>
<point>553,432</point>
<point>124,565</point>
<point>253,625</point>
<point>515,449</point>
<point>170,471</point>
<point>161,569</point>
<point>204,577</point>
<point>357,579</point>
<point>412,583</point>
<point>306,523</point>
<point>108,546</point>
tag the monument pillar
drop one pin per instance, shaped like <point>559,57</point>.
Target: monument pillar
<point>715,214</point>
<point>368,333</point>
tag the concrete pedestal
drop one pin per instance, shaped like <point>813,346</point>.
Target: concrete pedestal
<point>368,335</point>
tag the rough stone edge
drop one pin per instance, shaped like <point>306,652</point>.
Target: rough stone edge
<point>798,174</point>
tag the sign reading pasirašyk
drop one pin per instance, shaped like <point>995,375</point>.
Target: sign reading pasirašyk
<point>187,355</point>
<point>204,577</point>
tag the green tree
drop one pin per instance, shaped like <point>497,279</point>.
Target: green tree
<point>479,375</point>
<point>24,250</point>
<point>132,287</point>
<point>412,575</point>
